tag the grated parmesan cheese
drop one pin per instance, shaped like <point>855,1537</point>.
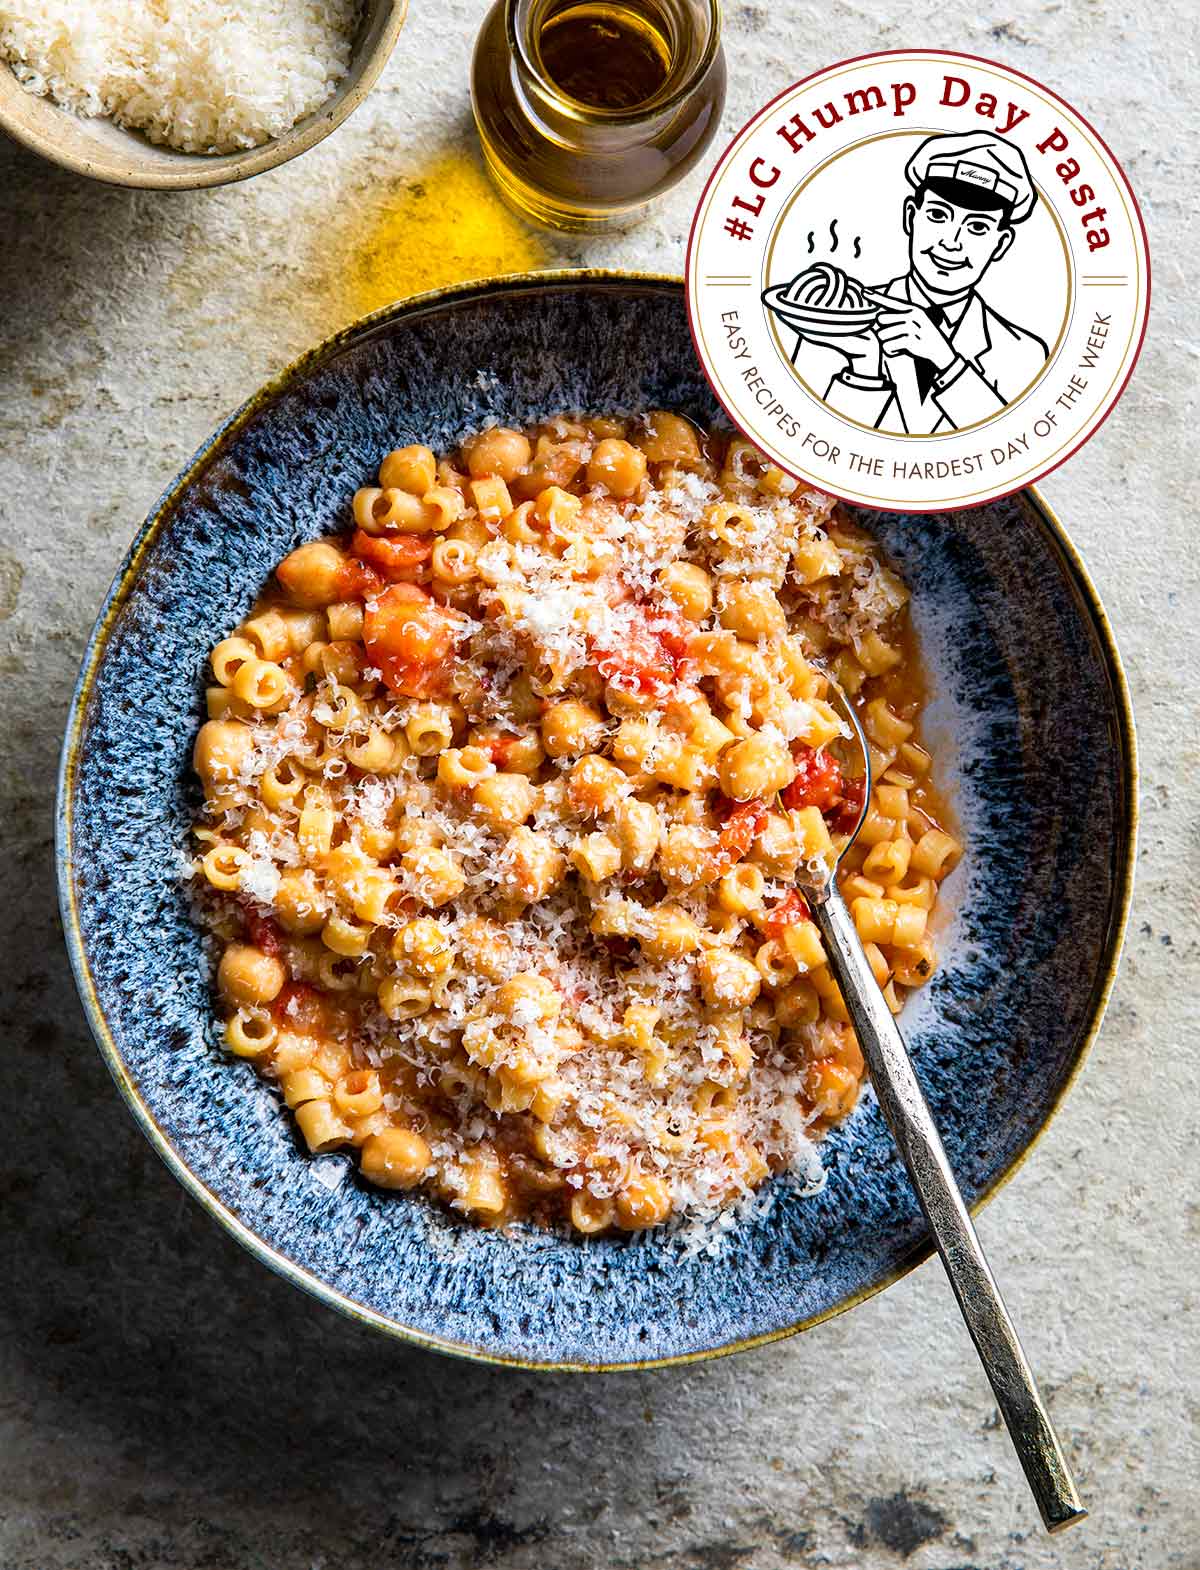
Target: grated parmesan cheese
<point>202,76</point>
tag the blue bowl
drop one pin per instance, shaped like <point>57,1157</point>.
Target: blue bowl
<point>1030,716</point>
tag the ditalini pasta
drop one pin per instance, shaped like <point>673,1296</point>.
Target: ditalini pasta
<point>506,793</point>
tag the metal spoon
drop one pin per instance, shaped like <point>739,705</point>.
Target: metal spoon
<point>911,1122</point>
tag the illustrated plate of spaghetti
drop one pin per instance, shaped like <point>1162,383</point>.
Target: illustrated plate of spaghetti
<point>822,303</point>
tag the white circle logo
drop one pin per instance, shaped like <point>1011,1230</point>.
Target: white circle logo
<point>918,280</point>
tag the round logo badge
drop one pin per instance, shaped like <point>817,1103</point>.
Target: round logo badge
<point>918,280</point>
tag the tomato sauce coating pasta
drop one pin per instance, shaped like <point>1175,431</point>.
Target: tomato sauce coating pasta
<point>506,792</point>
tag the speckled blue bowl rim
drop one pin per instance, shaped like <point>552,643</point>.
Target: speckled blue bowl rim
<point>1124,853</point>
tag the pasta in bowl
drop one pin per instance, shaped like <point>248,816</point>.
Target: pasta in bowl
<point>1022,680</point>
<point>507,789</point>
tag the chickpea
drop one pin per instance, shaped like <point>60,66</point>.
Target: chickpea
<point>221,750</point>
<point>752,611</point>
<point>727,980</point>
<point>395,1158</point>
<point>689,586</point>
<point>569,728</point>
<point>436,874</point>
<point>554,463</point>
<point>686,856</point>
<point>529,999</point>
<point>757,766</point>
<point>312,575</point>
<point>525,754</point>
<point>617,465</point>
<point>533,865</point>
<point>797,1003</point>
<point>645,1201</point>
<point>486,946</point>
<point>505,800</point>
<point>300,904</point>
<point>777,850</point>
<point>601,425</point>
<point>498,451</point>
<point>412,469</point>
<point>246,975</point>
<point>669,438</point>
<point>671,934</point>
<point>424,946</point>
<point>833,1088</point>
<point>595,785</point>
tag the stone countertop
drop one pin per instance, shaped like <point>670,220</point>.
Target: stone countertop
<point>165,1401</point>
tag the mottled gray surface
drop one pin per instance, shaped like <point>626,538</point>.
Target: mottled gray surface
<point>166,1402</point>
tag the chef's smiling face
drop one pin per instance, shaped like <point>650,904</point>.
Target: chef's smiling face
<point>951,247</point>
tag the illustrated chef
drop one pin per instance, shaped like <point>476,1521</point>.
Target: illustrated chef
<point>939,357</point>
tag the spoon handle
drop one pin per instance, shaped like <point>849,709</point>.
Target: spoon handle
<point>915,1132</point>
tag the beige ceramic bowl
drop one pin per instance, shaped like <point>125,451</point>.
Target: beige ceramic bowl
<point>104,151</point>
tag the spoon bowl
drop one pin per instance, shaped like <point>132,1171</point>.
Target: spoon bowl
<point>853,753</point>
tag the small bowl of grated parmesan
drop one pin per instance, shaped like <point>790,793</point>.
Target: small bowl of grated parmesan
<point>182,94</point>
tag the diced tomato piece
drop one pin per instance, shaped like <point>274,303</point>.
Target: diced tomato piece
<point>300,1006</point>
<point>357,580</point>
<point>673,635</point>
<point>818,781</point>
<point>409,680</point>
<point>498,747</point>
<point>791,909</point>
<point>399,557</point>
<point>639,664</point>
<point>842,821</point>
<point>263,933</point>
<point>743,824</point>
<point>642,655</point>
<point>410,639</point>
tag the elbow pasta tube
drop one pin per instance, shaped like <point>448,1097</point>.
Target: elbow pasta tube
<point>429,730</point>
<point>506,791</point>
<point>230,655</point>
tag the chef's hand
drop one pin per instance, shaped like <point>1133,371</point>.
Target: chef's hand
<point>862,353</point>
<point>908,329</point>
